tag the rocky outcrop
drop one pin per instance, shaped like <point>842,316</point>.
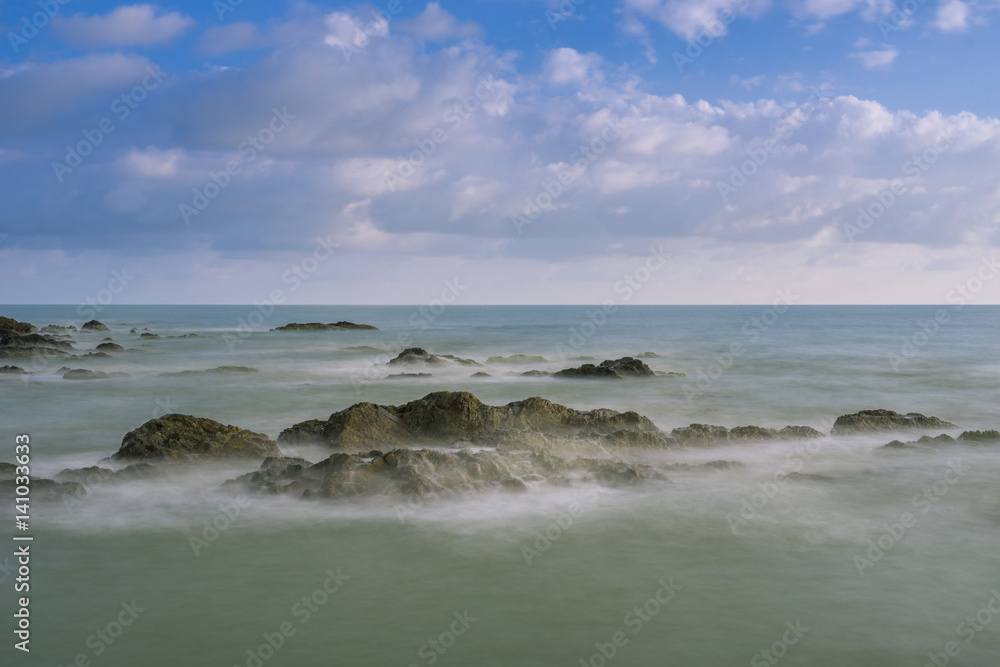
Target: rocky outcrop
<point>149,336</point>
<point>319,326</point>
<point>57,329</point>
<point>697,434</point>
<point>94,325</point>
<point>110,347</point>
<point>84,374</point>
<point>14,326</point>
<point>626,367</point>
<point>980,437</point>
<point>876,421</point>
<point>480,374</point>
<point>700,434</point>
<point>174,437</point>
<point>445,417</point>
<point>12,370</point>
<point>15,345</point>
<point>517,359</point>
<point>418,355</point>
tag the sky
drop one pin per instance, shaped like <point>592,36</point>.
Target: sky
<point>529,151</point>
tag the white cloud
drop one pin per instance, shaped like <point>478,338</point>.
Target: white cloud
<point>565,66</point>
<point>437,24</point>
<point>875,58</point>
<point>129,25</point>
<point>952,16</point>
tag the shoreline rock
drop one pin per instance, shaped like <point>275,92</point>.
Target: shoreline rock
<point>877,421</point>
<point>174,437</point>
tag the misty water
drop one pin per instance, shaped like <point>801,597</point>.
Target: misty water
<point>822,571</point>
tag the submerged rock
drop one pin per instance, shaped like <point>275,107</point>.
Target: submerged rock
<point>174,437</point>
<point>408,376</point>
<point>319,326</point>
<point>534,374</point>
<point>150,336</point>
<point>94,325</point>
<point>875,421</point>
<point>480,374</point>
<point>445,417</point>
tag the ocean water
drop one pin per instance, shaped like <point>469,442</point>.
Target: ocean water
<point>825,570</point>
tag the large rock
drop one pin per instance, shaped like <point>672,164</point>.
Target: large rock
<point>697,434</point>
<point>94,325</point>
<point>319,326</point>
<point>12,325</point>
<point>110,347</point>
<point>444,417</point>
<point>588,371</point>
<point>15,345</point>
<point>84,374</point>
<point>174,437</point>
<point>626,367</point>
<point>876,421</point>
<point>418,355</point>
<point>12,370</point>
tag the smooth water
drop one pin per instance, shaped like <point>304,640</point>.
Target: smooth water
<point>405,575</point>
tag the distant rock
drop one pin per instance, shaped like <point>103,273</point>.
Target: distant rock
<point>925,441</point>
<point>57,329</point>
<point>173,437</point>
<point>418,355</point>
<point>480,374</point>
<point>588,371</point>
<point>94,325</point>
<point>220,370</point>
<point>534,374</point>
<point>150,336</point>
<point>517,359</point>
<point>875,421</point>
<point>706,434</point>
<point>110,347</point>
<point>84,374</point>
<point>978,437</point>
<point>12,370</point>
<point>648,355</point>
<point>408,376</point>
<point>14,326</point>
<point>360,348</point>
<point>626,367</point>
<point>319,326</point>
<point>445,417</point>
<point>15,345</point>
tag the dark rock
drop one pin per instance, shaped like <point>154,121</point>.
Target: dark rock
<point>174,437</point>
<point>151,336</point>
<point>535,374</point>
<point>628,367</point>
<point>307,432</point>
<point>319,326</point>
<point>670,374</point>
<point>13,370</point>
<point>30,345</point>
<point>875,421</point>
<point>13,326</point>
<point>404,376</point>
<point>57,329</point>
<point>417,355</point>
<point>94,325</point>
<point>480,374</point>
<point>7,470</point>
<point>697,434</point>
<point>980,436</point>
<point>588,371</point>
<point>84,374</point>
<point>110,347</point>
<point>43,490</point>
<point>517,359</point>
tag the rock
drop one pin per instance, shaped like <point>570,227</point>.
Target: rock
<point>84,374</point>
<point>517,359</point>
<point>697,434</point>
<point>418,355</point>
<point>976,437</point>
<point>638,439</point>
<point>319,326</point>
<point>151,336</point>
<point>7,470</point>
<point>628,367</point>
<point>648,355</point>
<point>588,371</point>
<point>13,370</point>
<point>750,433</point>
<point>535,374</point>
<point>307,432</point>
<point>925,441</point>
<point>799,433</point>
<point>220,370</point>
<point>94,325</point>
<point>875,421</point>
<point>43,490</point>
<point>57,329</point>
<point>445,417</point>
<point>410,376</point>
<point>110,347</point>
<point>670,374</point>
<point>13,326</point>
<point>15,345</point>
<point>173,437</point>
<point>480,374</point>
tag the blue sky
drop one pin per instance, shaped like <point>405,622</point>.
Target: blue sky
<point>538,152</point>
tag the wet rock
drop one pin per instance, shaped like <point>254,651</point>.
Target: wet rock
<point>15,345</point>
<point>319,326</point>
<point>110,347</point>
<point>150,336</point>
<point>875,421</point>
<point>57,329</point>
<point>697,434</point>
<point>480,374</point>
<point>175,436</point>
<point>588,371</point>
<point>13,370</point>
<point>517,359</point>
<point>925,441</point>
<point>628,367</point>
<point>752,433</point>
<point>43,490</point>
<point>418,355</point>
<point>445,417</point>
<point>94,325</point>
<point>307,432</point>
<point>535,374</point>
<point>978,437</point>
<point>14,326</point>
<point>84,374</point>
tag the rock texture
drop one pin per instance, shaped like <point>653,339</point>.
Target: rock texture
<point>626,367</point>
<point>875,421</point>
<point>418,355</point>
<point>14,326</point>
<point>94,325</point>
<point>174,437</point>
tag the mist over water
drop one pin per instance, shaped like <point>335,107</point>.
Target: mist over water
<point>550,575</point>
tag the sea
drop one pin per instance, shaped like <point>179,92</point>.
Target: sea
<point>829,552</point>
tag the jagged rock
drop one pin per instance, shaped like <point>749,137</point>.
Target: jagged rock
<point>517,359</point>
<point>628,367</point>
<point>94,325</point>
<point>14,326</point>
<point>444,417</point>
<point>150,336</point>
<point>534,374</point>
<point>175,436</point>
<point>980,436</point>
<point>700,434</point>
<point>15,345</point>
<point>874,421</point>
<point>588,371</point>
<point>799,433</point>
<point>84,374</point>
<point>13,370</point>
<point>110,347</point>
<point>306,432</point>
<point>747,433</point>
<point>57,329</point>
<point>418,355</point>
<point>319,326</point>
